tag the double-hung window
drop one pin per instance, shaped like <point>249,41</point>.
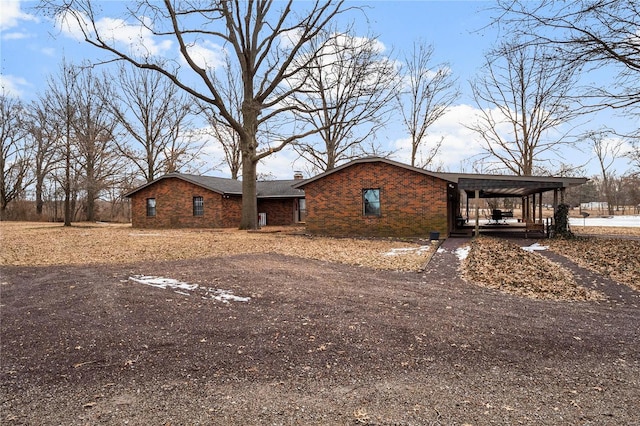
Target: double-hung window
<point>198,206</point>
<point>371,202</point>
<point>151,207</point>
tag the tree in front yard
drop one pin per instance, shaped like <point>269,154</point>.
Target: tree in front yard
<point>263,43</point>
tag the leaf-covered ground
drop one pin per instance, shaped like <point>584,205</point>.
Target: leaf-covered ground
<point>503,265</point>
<point>616,258</point>
<point>496,263</point>
<point>44,244</point>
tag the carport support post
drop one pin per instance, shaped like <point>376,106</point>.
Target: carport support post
<point>540,207</point>
<point>477,212</point>
<point>533,207</point>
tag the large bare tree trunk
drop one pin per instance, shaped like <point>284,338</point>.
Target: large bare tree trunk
<point>249,203</point>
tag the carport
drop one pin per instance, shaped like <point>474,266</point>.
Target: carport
<point>527,188</point>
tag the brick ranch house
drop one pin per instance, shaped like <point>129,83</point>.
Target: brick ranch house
<point>372,197</point>
<point>379,197</point>
<point>178,200</point>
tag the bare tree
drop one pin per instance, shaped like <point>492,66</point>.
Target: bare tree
<point>347,91</point>
<point>262,42</point>
<point>60,104</point>
<point>45,132</point>
<point>590,33</point>
<point>221,130</point>
<point>429,90</point>
<point>607,151</point>
<point>634,158</point>
<point>155,115</point>
<point>93,128</point>
<point>523,95</point>
<point>15,154</point>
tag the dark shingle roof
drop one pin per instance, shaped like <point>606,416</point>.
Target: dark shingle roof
<point>278,189</point>
<point>488,185</point>
<point>265,189</point>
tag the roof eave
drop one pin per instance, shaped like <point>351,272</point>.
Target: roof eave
<point>176,176</point>
<point>371,160</point>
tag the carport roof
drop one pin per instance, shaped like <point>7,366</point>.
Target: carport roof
<point>490,186</point>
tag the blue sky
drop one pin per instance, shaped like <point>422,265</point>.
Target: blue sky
<point>32,48</point>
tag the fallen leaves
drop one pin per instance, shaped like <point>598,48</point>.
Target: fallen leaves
<point>120,243</point>
<point>502,265</point>
<point>612,257</point>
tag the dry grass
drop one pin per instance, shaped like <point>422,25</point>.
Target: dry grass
<point>38,244</point>
<point>605,230</point>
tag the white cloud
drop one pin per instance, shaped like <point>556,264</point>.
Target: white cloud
<point>459,143</point>
<point>280,165</point>
<point>139,40</point>
<point>48,51</point>
<point>15,36</point>
<point>207,55</point>
<point>289,38</point>
<point>11,15</point>
<point>12,85</point>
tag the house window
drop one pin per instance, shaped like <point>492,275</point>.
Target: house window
<point>198,206</point>
<point>371,202</point>
<point>151,207</point>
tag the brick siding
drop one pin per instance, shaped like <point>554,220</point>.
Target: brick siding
<point>411,203</point>
<point>280,211</point>
<point>174,207</point>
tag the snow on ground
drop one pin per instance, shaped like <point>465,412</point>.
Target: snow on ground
<point>407,250</point>
<point>183,288</point>
<point>626,221</point>
<point>618,221</point>
<point>535,247</point>
<point>463,252</point>
<point>161,282</point>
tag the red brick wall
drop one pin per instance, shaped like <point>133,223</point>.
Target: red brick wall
<point>279,211</point>
<point>174,207</point>
<point>411,203</point>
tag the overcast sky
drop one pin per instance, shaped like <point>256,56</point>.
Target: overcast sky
<point>32,48</point>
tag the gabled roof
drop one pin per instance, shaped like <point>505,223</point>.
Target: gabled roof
<point>369,160</point>
<point>226,186</point>
<point>488,185</point>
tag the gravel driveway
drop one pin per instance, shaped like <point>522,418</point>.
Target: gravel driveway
<point>316,343</point>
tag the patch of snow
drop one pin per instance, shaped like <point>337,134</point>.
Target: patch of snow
<point>407,250</point>
<point>441,250</point>
<point>224,296</point>
<point>463,252</point>
<point>535,247</point>
<point>183,288</point>
<point>628,221</point>
<point>162,282</point>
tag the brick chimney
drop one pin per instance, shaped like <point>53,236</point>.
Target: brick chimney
<point>297,175</point>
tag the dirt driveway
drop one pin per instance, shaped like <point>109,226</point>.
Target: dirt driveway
<point>316,343</point>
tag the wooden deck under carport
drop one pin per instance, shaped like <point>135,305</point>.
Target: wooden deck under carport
<point>527,188</point>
